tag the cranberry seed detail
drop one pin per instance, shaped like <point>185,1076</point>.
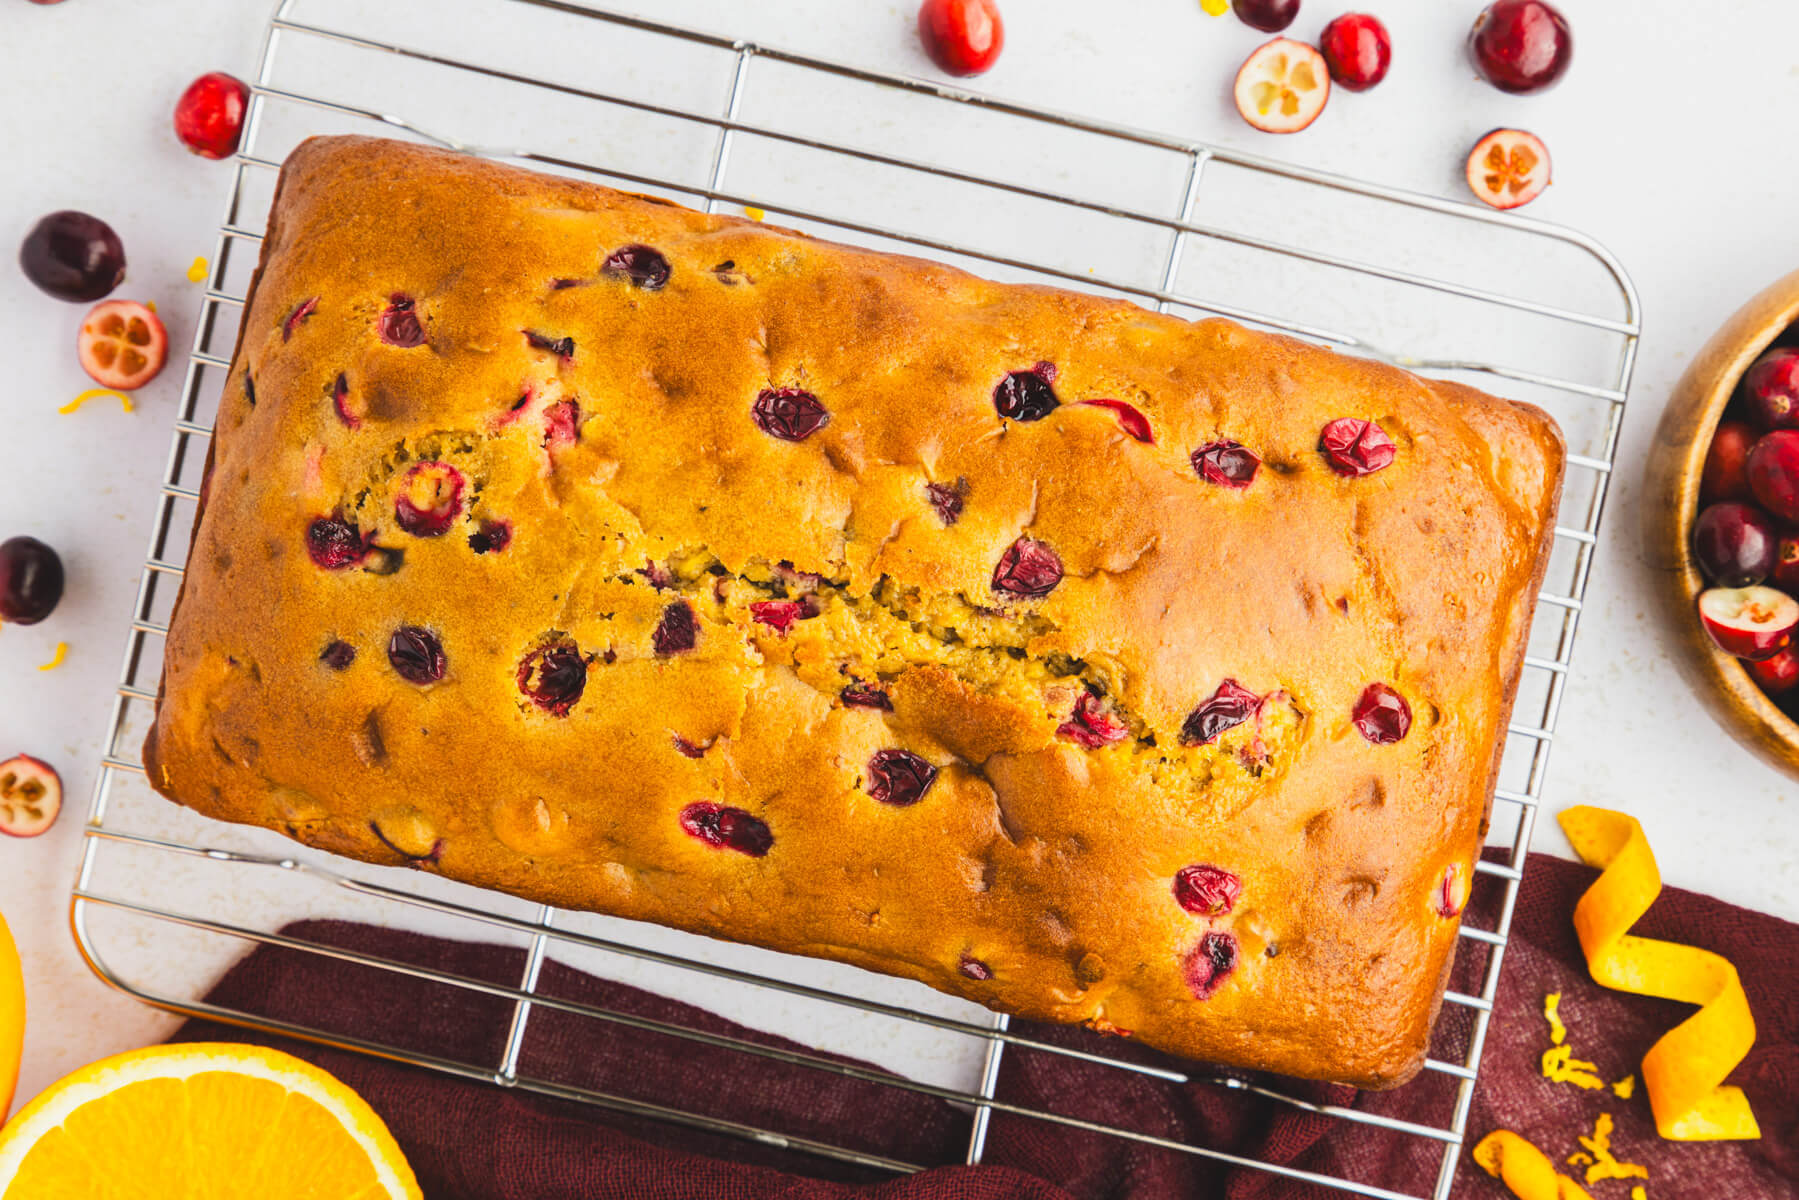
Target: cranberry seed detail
<point>899,777</point>
<point>554,676</point>
<point>1382,715</point>
<point>1356,447</point>
<point>1205,890</point>
<point>727,828</point>
<point>677,630</point>
<point>1227,464</point>
<point>1029,569</point>
<point>416,654</point>
<point>791,414</point>
<point>1229,706</point>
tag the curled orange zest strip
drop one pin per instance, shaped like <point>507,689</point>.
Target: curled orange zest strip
<point>78,401</point>
<point>1683,1071</point>
<point>62,649</point>
<point>1524,1169</point>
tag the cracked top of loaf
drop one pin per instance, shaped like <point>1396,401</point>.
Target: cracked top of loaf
<point>1091,664</point>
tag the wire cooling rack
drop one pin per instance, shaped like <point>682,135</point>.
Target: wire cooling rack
<point>897,163</point>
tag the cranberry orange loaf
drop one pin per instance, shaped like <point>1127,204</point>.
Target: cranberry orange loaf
<point>1094,665</point>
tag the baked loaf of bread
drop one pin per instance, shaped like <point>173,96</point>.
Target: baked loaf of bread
<point>1094,665</point>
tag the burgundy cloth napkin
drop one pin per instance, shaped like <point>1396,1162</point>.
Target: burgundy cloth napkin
<point>473,1141</point>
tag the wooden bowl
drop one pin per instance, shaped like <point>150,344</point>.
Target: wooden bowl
<point>1671,502</point>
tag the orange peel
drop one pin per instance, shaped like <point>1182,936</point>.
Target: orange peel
<point>1684,1071</point>
<point>12,1018</point>
<point>1524,1169</point>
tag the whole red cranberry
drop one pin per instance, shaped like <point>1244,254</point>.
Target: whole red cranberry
<point>1521,45</point>
<point>209,117</point>
<point>963,37</point>
<point>1774,473</point>
<point>1777,674</point>
<point>1357,50</point>
<point>1771,389</point>
<point>1734,544</point>
<point>1725,476</point>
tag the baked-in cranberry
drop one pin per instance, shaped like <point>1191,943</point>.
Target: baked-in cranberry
<point>562,347</point>
<point>250,389</point>
<point>1227,464</point>
<point>416,654</point>
<point>301,311</point>
<point>791,414</point>
<point>341,402</point>
<point>865,695</point>
<point>1028,568</point>
<point>688,749</point>
<point>780,615</point>
<point>1092,725</point>
<point>899,777</point>
<point>491,538</point>
<point>644,266</point>
<point>338,655</point>
<point>727,828</point>
<point>554,676</point>
<point>1356,447</point>
<point>974,968</point>
<point>334,543</point>
<point>430,499</point>
<point>658,575</point>
<point>1210,964</point>
<point>1205,890</point>
<point>1230,705</point>
<point>1026,395</point>
<point>1130,419</point>
<point>399,325</point>
<point>947,499</point>
<point>1450,896</point>
<point>677,630</point>
<point>561,425</point>
<point>1382,715</point>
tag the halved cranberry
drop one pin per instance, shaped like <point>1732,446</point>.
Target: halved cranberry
<point>1451,894</point>
<point>687,749</point>
<point>491,538</point>
<point>562,347</point>
<point>399,325</point>
<point>644,266</point>
<point>865,695</point>
<point>947,499</point>
<point>780,615</point>
<point>416,654</point>
<point>1026,395</point>
<point>1227,464</point>
<point>791,414</point>
<point>1282,86</point>
<point>554,676</point>
<point>1382,715</point>
<point>1229,706</point>
<point>30,796</point>
<point>340,401</point>
<point>727,828</point>
<point>300,313</point>
<point>561,425</point>
<point>338,655</point>
<point>1205,890</point>
<point>122,344</point>
<point>1356,447</point>
<point>1028,568</point>
<point>334,543</point>
<point>1752,622</point>
<point>430,499</point>
<point>677,630</point>
<point>1210,964</point>
<point>899,777</point>
<point>1508,168</point>
<point>974,968</point>
<point>1130,419</point>
<point>1092,725</point>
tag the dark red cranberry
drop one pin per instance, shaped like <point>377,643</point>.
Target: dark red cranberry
<point>209,117</point>
<point>1026,395</point>
<point>338,655</point>
<point>430,499</point>
<point>1521,45</point>
<point>1726,473</point>
<point>963,37</point>
<point>301,311</point>
<point>899,777</point>
<point>947,499</point>
<point>30,580</point>
<point>974,968</point>
<point>1771,389</point>
<point>1356,447</point>
<point>657,575</point>
<point>1776,675</point>
<point>250,389</point>
<point>1357,50</point>
<point>1382,715</point>
<point>554,676</point>
<point>865,695</point>
<point>1735,544</point>
<point>1205,890</point>
<point>677,630</point>
<point>687,749</point>
<point>334,543</point>
<point>791,414</point>
<point>1227,464</point>
<point>1028,568</point>
<point>1229,706</point>
<point>644,266</point>
<point>1210,964</point>
<point>780,615</point>
<point>562,347</point>
<point>1091,725</point>
<point>1130,419</point>
<point>416,654</point>
<point>340,401</point>
<point>491,538</point>
<point>727,828</point>
<point>1270,16</point>
<point>560,285</point>
<point>73,256</point>
<point>399,325</point>
<point>1774,473</point>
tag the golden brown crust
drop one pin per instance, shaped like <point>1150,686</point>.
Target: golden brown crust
<point>1048,863</point>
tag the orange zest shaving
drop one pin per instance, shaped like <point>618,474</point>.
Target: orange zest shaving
<point>1639,1193</point>
<point>1685,1070</point>
<point>1625,1088</point>
<point>62,650</point>
<point>753,213</point>
<point>84,397</point>
<point>1559,1063</point>
<point>1598,1158</point>
<point>1524,1169</point>
<point>1215,8</point>
<point>197,271</point>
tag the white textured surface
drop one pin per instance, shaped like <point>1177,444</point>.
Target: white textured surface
<point>1663,150</point>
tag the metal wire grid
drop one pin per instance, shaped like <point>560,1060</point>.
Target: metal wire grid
<point>1530,736</point>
